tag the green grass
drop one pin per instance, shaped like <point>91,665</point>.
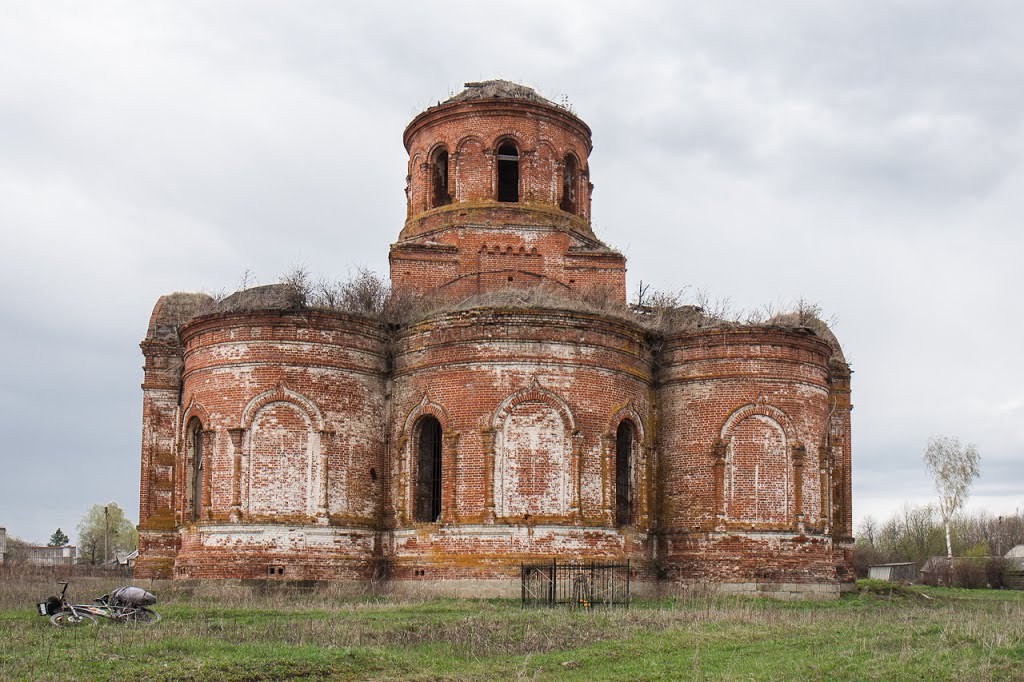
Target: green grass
<point>878,633</point>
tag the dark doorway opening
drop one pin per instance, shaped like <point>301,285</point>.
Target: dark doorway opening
<point>428,474</point>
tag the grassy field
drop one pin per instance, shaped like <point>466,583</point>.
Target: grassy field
<point>910,634</point>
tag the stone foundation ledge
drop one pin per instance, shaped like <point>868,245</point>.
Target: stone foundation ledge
<point>460,588</point>
<point>784,591</point>
<point>210,587</point>
<point>503,588</point>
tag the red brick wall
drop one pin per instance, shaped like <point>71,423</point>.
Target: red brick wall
<point>740,463</point>
<point>158,537</point>
<point>248,551</point>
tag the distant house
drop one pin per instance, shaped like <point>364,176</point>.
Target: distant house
<point>18,553</point>
<point>50,556</point>
<point>1014,575</point>
<point>125,559</point>
<point>899,572</point>
<point>937,570</point>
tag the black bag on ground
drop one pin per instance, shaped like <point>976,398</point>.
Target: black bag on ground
<point>132,596</point>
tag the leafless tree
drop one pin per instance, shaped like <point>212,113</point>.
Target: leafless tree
<point>953,467</point>
<point>868,529</point>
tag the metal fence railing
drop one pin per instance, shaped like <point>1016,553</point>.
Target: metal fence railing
<point>575,584</point>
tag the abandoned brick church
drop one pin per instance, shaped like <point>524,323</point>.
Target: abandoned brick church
<point>436,455</point>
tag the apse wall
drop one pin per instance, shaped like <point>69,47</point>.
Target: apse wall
<point>744,463</point>
<point>529,403</point>
<point>283,452</point>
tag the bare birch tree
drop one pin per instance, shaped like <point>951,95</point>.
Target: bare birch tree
<point>953,467</point>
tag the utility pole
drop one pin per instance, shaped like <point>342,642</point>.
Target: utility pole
<point>106,534</point>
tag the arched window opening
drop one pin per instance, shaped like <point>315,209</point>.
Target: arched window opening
<point>569,182</point>
<point>439,195</point>
<point>194,466</point>
<point>623,468</point>
<point>508,172</point>
<point>428,473</point>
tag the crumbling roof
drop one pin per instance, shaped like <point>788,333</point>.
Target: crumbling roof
<point>820,328</point>
<point>499,89</point>
<point>265,297</point>
<point>174,309</point>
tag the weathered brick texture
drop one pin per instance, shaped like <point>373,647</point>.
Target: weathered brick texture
<point>317,445</point>
<point>750,456</point>
<point>463,239</point>
<point>531,402</point>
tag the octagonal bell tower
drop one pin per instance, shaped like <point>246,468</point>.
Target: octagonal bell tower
<point>498,192</point>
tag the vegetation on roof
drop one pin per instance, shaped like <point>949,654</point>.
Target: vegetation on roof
<point>367,294</point>
<point>497,89</point>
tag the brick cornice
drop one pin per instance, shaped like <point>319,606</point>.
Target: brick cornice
<point>481,108</point>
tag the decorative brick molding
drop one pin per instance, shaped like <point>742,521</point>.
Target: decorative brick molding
<point>282,394</point>
<point>759,408</point>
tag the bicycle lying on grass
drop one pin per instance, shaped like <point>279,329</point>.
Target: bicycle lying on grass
<point>123,605</point>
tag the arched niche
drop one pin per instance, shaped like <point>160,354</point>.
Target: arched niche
<point>758,467</point>
<point>534,469</point>
<point>283,463</point>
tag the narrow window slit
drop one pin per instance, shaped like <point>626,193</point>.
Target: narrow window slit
<point>569,175</point>
<point>439,195</point>
<point>623,467</point>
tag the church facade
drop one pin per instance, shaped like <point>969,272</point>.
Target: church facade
<point>436,455</point>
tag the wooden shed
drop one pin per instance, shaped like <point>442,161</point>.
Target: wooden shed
<point>899,572</point>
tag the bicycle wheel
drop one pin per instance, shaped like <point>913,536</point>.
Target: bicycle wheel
<point>66,619</point>
<point>143,615</point>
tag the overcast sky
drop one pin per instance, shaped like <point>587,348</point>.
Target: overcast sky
<point>864,155</point>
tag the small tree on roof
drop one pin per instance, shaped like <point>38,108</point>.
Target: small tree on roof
<point>953,467</point>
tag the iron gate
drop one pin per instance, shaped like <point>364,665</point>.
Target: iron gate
<point>577,585</point>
